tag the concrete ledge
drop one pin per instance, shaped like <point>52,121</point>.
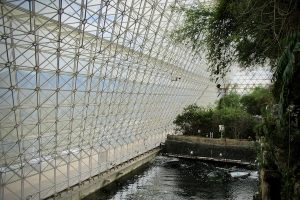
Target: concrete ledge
<point>211,150</point>
<point>101,180</point>
<point>213,141</point>
<point>213,160</point>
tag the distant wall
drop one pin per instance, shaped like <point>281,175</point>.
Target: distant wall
<point>214,148</point>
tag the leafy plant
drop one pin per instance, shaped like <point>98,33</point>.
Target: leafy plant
<point>231,100</point>
<point>229,112</point>
<point>248,32</point>
<point>238,123</point>
<point>195,118</point>
<point>258,100</point>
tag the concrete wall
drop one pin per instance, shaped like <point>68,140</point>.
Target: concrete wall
<point>101,180</point>
<point>213,148</point>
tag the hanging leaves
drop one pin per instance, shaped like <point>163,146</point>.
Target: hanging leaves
<point>247,32</point>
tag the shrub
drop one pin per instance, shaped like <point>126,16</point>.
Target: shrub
<point>194,118</point>
<point>231,100</point>
<point>256,102</point>
<point>238,123</point>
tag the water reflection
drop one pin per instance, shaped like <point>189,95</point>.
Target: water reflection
<point>173,179</point>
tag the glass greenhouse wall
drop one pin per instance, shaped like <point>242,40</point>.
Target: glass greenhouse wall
<point>243,81</point>
<point>86,85</point>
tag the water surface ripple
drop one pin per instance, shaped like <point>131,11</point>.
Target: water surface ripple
<point>174,179</point>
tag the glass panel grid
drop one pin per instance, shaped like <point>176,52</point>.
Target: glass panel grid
<point>86,85</point>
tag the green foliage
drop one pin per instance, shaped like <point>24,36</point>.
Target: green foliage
<point>194,118</point>
<point>231,100</point>
<point>280,152</point>
<point>238,123</point>
<point>285,71</point>
<point>229,112</point>
<point>255,32</point>
<point>248,32</point>
<point>257,101</point>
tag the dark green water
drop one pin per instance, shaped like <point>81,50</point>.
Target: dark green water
<point>174,179</point>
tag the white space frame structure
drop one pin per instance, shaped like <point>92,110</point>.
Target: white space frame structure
<point>86,85</point>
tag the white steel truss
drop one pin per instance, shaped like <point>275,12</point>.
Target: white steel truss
<point>244,81</point>
<point>86,85</point>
